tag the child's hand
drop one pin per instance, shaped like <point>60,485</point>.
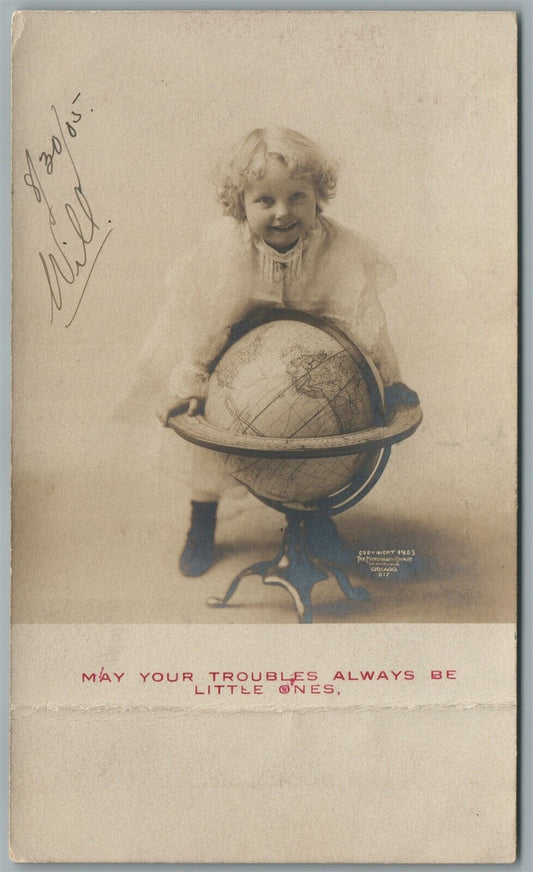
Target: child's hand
<point>176,405</point>
<point>399,394</point>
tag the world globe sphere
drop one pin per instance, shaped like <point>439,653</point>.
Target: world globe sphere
<point>294,379</point>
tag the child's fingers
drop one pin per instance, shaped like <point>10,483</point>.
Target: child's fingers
<point>173,408</point>
<point>177,406</point>
<point>194,407</point>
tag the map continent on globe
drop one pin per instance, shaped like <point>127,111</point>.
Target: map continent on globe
<point>289,378</point>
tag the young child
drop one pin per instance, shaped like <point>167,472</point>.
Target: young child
<point>274,250</point>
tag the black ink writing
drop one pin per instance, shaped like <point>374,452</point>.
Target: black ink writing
<point>73,247</point>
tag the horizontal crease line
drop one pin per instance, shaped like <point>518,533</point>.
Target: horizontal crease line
<point>27,710</point>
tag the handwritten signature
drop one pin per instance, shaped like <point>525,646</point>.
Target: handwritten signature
<point>75,238</point>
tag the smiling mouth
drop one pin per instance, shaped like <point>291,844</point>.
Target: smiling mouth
<point>285,228</point>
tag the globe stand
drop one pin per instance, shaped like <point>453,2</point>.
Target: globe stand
<point>296,569</point>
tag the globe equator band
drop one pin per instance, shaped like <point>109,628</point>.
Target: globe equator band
<point>200,432</point>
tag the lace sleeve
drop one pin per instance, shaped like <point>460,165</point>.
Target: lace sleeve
<point>369,329</point>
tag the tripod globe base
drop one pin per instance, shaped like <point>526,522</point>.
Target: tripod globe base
<point>296,569</point>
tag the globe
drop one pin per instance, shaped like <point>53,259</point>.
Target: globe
<point>295,377</point>
<point>297,412</point>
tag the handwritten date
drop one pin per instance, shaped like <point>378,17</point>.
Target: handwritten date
<point>75,239</point>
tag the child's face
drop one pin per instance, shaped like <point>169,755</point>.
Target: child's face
<point>280,207</point>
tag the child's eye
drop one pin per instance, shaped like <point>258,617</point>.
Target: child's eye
<point>298,195</point>
<point>266,201</point>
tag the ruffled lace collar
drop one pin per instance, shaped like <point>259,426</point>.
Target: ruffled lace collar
<point>286,257</point>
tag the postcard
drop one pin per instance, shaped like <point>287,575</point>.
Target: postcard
<point>264,437</point>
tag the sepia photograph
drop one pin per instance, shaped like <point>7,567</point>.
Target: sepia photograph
<point>162,220</point>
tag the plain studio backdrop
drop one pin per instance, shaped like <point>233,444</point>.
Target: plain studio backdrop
<point>419,113</point>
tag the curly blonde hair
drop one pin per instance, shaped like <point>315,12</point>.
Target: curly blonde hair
<point>300,155</point>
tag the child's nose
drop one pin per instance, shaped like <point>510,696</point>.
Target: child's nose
<point>281,209</point>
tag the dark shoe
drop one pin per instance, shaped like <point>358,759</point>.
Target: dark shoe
<point>323,539</point>
<point>198,554</point>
